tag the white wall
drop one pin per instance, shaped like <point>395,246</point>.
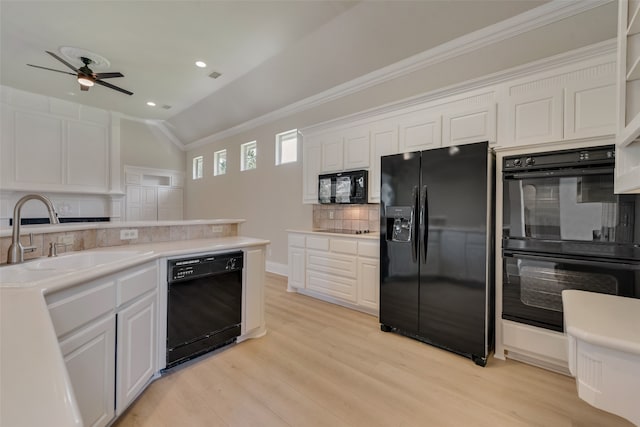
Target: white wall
<point>270,198</point>
<point>142,145</point>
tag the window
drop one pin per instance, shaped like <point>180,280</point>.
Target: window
<point>249,153</point>
<point>220,162</point>
<point>287,147</point>
<point>197,167</point>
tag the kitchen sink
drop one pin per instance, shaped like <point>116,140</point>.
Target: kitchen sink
<point>43,268</point>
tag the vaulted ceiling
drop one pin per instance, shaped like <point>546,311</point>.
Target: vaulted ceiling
<point>270,53</point>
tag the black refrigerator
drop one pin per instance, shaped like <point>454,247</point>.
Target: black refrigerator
<point>436,248</point>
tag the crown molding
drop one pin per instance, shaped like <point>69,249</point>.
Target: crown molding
<point>546,14</point>
<point>605,51</point>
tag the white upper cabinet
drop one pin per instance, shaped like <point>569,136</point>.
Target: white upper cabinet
<point>590,109</point>
<point>560,105</point>
<point>469,125</point>
<point>420,130</point>
<point>534,117</point>
<point>332,153</point>
<point>53,145</point>
<point>38,148</point>
<point>384,141</point>
<point>311,165</point>
<point>87,156</point>
<point>356,148</point>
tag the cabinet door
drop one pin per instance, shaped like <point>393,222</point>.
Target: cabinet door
<point>368,283</point>
<point>253,291</point>
<point>87,156</point>
<point>356,148</point>
<point>137,348</point>
<point>149,203</point>
<point>535,117</point>
<point>38,150</point>
<point>590,109</point>
<point>420,131</point>
<point>332,153</point>
<point>296,267</point>
<point>474,125</point>
<point>169,203</point>
<point>89,355</point>
<point>311,164</point>
<point>384,141</point>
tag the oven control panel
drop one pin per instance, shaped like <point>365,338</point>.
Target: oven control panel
<point>591,156</point>
<point>206,265</point>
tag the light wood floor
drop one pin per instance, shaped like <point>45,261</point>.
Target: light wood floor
<point>324,365</point>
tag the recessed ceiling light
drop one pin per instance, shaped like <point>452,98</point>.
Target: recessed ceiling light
<point>200,64</point>
<point>151,104</point>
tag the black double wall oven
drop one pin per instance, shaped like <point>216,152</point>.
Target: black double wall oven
<point>565,228</point>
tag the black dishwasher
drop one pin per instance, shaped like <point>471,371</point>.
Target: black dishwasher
<point>204,305</point>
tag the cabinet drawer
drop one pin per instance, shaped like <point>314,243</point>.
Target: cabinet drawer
<point>296,240</point>
<point>368,249</point>
<point>136,283</point>
<point>342,265</point>
<point>320,243</point>
<point>344,246</point>
<point>336,286</point>
<point>72,308</point>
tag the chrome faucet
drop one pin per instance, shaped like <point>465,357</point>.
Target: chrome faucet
<point>16,250</point>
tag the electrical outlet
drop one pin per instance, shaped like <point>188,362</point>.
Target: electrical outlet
<point>217,228</point>
<point>66,239</point>
<point>330,214</point>
<point>129,234</point>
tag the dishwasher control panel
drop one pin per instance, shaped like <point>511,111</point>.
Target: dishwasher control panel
<point>205,265</point>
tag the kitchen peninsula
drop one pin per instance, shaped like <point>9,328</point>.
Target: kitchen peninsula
<point>50,306</point>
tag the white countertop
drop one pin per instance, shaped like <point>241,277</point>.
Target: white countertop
<point>374,235</point>
<point>76,226</point>
<point>34,386</point>
<point>605,320</point>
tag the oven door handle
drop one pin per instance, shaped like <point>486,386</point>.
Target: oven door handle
<point>558,172</point>
<point>568,260</point>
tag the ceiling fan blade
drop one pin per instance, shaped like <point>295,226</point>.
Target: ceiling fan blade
<point>51,69</point>
<point>109,85</point>
<point>108,75</point>
<point>62,60</point>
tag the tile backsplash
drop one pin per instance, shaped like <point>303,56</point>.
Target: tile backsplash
<point>347,217</point>
<point>104,237</point>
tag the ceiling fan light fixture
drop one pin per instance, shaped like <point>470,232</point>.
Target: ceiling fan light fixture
<point>85,81</point>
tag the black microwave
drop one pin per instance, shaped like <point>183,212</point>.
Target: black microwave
<point>343,187</point>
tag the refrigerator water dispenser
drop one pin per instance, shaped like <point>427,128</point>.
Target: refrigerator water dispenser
<point>399,223</point>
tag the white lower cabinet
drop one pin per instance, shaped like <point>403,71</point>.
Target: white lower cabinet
<point>137,348</point>
<point>89,355</point>
<point>84,318</point>
<point>336,269</point>
<point>368,280</point>
<point>253,291</point>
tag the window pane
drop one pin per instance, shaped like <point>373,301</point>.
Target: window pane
<point>220,162</point>
<point>288,151</point>
<point>287,147</point>
<point>249,156</point>
<point>197,167</point>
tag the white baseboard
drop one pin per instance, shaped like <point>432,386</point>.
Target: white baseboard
<point>277,268</point>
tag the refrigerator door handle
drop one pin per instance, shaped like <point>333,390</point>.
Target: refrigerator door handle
<point>424,226</point>
<point>414,231</point>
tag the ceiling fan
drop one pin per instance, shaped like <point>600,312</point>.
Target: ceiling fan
<point>86,77</point>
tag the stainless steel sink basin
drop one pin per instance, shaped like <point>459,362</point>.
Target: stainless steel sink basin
<point>43,268</point>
